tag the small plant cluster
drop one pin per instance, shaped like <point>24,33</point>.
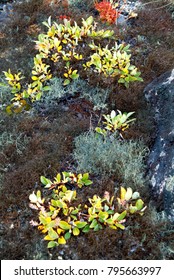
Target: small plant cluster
<point>60,51</point>
<point>60,217</point>
<point>115,122</point>
<point>107,11</point>
<point>114,62</point>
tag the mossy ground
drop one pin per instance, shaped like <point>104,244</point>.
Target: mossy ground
<point>50,137</point>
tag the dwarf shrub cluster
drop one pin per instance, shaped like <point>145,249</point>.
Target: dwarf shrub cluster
<point>60,217</point>
<point>61,53</point>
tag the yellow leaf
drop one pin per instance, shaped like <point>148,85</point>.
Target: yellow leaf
<point>125,70</point>
<point>76,231</point>
<point>61,240</point>
<point>34,78</point>
<point>47,237</point>
<point>64,41</point>
<point>59,231</point>
<point>66,75</point>
<point>51,208</point>
<point>48,219</point>
<point>123,192</point>
<point>8,109</point>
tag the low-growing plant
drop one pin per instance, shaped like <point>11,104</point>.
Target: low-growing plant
<point>107,11</point>
<point>79,87</point>
<point>115,122</point>
<point>113,62</point>
<point>111,156</point>
<point>60,217</point>
<point>61,53</point>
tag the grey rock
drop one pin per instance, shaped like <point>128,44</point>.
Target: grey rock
<point>121,20</point>
<point>160,95</point>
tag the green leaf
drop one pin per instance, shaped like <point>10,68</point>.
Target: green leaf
<point>110,221</point>
<point>52,234</point>
<point>120,226</point>
<point>66,82</point>
<point>139,204</point>
<point>98,130</point>
<point>38,194</point>
<point>45,181</point>
<point>86,229</point>
<point>107,33</point>
<point>3,85</point>
<point>58,178</point>
<point>51,224</point>
<point>103,215</point>
<point>89,20</point>
<point>58,203</point>
<point>52,244</point>
<point>80,224</point>
<point>110,212</point>
<point>122,215</point>
<point>132,209</point>
<point>46,88</point>
<point>96,228</point>
<point>88,182</point>
<point>76,231</point>
<point>64,225</point>
<point>74,212</point>
<point>38,96</point>
<point>85,176</point>
<point>74,217</point>
<point>121,81</point>
<point>74,75</point>
<point>67,235</point>
<point>93,224</point>
<point>43,219</point>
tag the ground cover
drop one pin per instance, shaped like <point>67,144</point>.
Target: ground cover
<point>41,141</point>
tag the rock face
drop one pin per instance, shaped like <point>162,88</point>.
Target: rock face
<point>160,95</point>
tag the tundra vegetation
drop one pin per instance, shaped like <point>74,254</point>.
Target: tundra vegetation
<point>76,130</point>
